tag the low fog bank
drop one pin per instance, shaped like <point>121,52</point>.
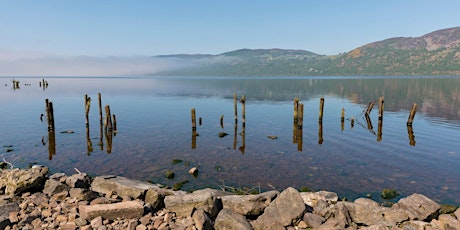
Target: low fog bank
<point>98,66</point>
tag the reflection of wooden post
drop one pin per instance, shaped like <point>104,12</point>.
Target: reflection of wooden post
<point>108,137</point>
<point>410,133</point>
<point>342,120</point>
<point>352,122</point>
<point>412,114</point>
<point>50,114</point>
<point>89,143</point>
<point>235,107</point>
<point>87,107</point>
<point>369,108</point>
<point>193,119</point>
<point>235,135</point>
<point>321,107</point>
<point>51,144</point>
<point>100,106</point>
<point>320,132</point>
<point>194,135</point>
<point>114,124</point>
<point>299,139</point>
<point>243,140</point>
<point>369,122</point>
<point>243,108</point>
<point>379,131</point>
<point>381,107</point>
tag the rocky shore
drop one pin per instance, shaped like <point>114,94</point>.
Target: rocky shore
<point>32,199</point>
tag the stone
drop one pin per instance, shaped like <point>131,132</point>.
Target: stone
<point>153,199</point>
<point>61,196</point>
<point>313,220</point>
<point>80,222</point>
<point>5,210</point>
<point>96,222</point>
<point>286,208</point>
<point>249,204</point>
<point>17,180</point>
<point>365,212</point>
<point>80,180</point>
<point>376,227</point>
<point>132,225</point>
<point>338,213</point>
<point>53,187</point>
<point>332,224</point>
<point>418,207</point>
<point>184,204</point>
<point>415,224</point>
<point>227,219</point>
<point>448,222</point>
<point>311,198</point>
<point>202,220</point>
<point>457,213</point>
<point>82,194</point>
<point>128,209</point>
<point>123,186</point>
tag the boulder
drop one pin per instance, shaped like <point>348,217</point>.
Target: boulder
<point>447,221</point>
<point>124,187</point>
<point>53,187</point>
<point>202,220</point>
<point>80,180</point>
<point>311,198</point>
<point>228,220</point>
<point>338,214</point>
<point>248,204</point>
<point>286,208</point>
<point>312,220</point>
<point>19,180</point>
<point>419,207</point>
<point>128,209</point>
<point>82,194</point>
<point>154,199</point>
<point>184,204</point>
<point>5,210</point>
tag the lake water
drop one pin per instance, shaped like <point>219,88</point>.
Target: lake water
<point>154,128</point>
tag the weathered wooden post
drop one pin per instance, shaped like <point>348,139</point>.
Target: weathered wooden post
<point>114,124</point>
<point>50,114</point>
<point>87,108</point>
<point>296,110</point>
<point>108,118</point>
<point>381,107</point>
<point>321,107</point>
<point>51,144</point>
<point>369,108</point>
<point>235,107</point>
<point>412,114</point>
<point>100,106</point>
<point>342,120</point>
<point>243,108</point>
<point>410,133</point>
<point>193,119</point>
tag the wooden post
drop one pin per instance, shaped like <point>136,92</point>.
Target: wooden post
<point>342,120</point>
<point>321,107</point>
<point>381,107</point>
<point>100,106</point>
<point>222,121</point>
<point>114,124</point>
<point>108,118</point>
<point>87,108</point>
<point>296,109</point>
<point>243,108</point>
<point>235,107</point>
<point>369,108</point>
<point>50,114</point>
<point>193,119</point>
<point>51,144</point>
<point>320,132</point>
<point>412,114</point>
<point>89,143</point>
<point>200,121</point>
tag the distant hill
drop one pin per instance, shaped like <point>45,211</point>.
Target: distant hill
<point>433,54</point>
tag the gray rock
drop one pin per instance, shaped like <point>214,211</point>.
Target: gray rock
<point>202,220</point>
<point>184,204</point>
<point>338,213</point>
<point>286,208</point>
<point>418,207</point>
<point>249,204</point>
<point>313,220</point>
<point>311,198</point>
<point>448,222</point>
<point>228,220</point>
<point>128,209</point>
<point>82,194</point>
<point>123,186</point>
<point>53,187</point>
<point>365,212</point>
<point>80,180</point>
<point>153,199</point>
<point>19,180</point>
<point>5,210</point>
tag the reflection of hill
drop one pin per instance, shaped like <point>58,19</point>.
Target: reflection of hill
<point>437,97</point>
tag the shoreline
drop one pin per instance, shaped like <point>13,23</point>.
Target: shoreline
<point>32,199</point>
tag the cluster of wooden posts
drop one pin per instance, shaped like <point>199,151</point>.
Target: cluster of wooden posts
<point>43,84</point>
<point>297,137</point>
<point>235,131</point>
<point>108,126</point>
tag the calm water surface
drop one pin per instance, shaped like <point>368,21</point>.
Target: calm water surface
<point>154,127</point>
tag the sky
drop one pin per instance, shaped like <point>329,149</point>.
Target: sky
<point>68,30</point>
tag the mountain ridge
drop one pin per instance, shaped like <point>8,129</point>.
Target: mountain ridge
<point>435,53</point>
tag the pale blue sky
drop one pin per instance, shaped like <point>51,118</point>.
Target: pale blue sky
<point>148,27</point>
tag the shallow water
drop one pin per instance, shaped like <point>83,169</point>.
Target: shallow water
<point>154,127</point>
